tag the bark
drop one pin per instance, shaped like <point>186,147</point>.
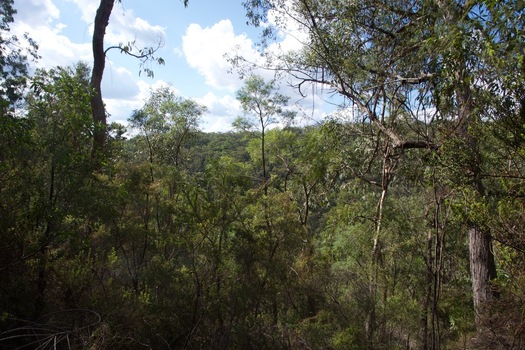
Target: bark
<point>389,165</point>
<point>263,155</point>
<point>481,257</point>
<point>423,322</point>
<point>482,270</point>
<point>99,63</point>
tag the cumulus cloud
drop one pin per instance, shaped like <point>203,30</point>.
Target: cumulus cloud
<point>125,27</point>
<point>120,106</point>
<point>205,50</point>
<point>88,8</point>
<point>222,111</point>
<point>226,105</point>
<point>314,101</point>
<point>40,19</point>
<point>55,49</point>
<point>118,83</point>
<point>37,12</point>
<point>291,32</point>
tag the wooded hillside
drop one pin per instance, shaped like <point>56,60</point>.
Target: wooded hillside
<point>396,224</point>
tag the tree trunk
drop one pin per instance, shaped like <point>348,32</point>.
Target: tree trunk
<point>263,156</point>
<point>389,165</point>
<point>482,271</point>
<point>423,322</point>
<point>99,62</point>
<point>481,257</point>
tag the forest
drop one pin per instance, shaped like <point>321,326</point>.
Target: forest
<point>396,223</point>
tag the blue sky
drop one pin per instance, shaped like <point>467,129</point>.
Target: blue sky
<point>195,40</point>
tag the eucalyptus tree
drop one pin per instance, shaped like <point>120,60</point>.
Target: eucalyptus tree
<point>354,48</point>
<point>418,72</point>
<point>263,106</point>
<point>145,55</point>
<point>163,125</point>
<point>167,122</point>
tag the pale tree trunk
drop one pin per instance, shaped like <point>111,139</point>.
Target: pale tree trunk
<point>389,165</point>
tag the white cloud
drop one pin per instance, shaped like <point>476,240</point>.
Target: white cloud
<point>291,32</point>
<point>41,20</point>
<point>88,8</point>
<point>226,105</point>
<point>222,111</point>
<point>120,106</point>
<point>124,27</point>
<point>205,50</point>
<point>313,102</point>
<point>216,123</point>
<point>58,50</point>
<point>36,12</point>
<point>118,83</point>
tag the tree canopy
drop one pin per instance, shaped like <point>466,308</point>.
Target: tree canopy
<point>397,222</point>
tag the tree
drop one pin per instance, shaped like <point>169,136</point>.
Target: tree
<point>15,152</point>
<point>14,73</point>
<point>262,107</point>
<point>13,59</point>
<point>46,200</point>
<point>416,72</point>
<point>351,49</point>
<point>168,122</point>
<point>99,62</point>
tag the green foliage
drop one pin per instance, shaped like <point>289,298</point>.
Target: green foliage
<point>14,56</point>
<point>166,122</point>
<point>354,237</point>
<point>262,105</point>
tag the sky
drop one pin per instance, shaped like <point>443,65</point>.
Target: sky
<point>194,41</point>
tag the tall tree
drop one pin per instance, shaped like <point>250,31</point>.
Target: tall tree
<point>262,107</point>
<point>99,62</point>
<point>167,122</point>
<point>416,71</point>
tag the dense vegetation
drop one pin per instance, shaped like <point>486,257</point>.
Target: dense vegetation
<point>368,231</point>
